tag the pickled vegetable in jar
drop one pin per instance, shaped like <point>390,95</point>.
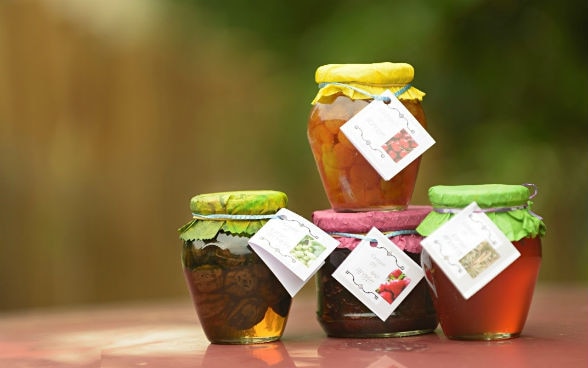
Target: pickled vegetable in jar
<point>349,180</point>
<point>237,298</point>
<point>498,310</point>
<point>340,313</point>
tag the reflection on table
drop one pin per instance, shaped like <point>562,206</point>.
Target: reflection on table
<point>167,334</point>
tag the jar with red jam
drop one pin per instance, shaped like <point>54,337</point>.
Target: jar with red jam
<point>237,298</point>
<point>339,312</point>
<point>499,309</point>
<point>349,180</point>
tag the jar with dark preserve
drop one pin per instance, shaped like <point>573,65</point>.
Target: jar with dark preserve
<point>340,313</point>
<point>349,180</point>
<point>498,310</point>
<point>237,298</point>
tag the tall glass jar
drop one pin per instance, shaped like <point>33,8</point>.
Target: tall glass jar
<point>237,298</point>
<point>350,182</point>
<point>499,310</point>
<point>340,313</point>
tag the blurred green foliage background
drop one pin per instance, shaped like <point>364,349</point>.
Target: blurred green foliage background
<point>113,114</point>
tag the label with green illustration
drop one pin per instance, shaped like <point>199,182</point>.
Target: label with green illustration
<point>293,248</point>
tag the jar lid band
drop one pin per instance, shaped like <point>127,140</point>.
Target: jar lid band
<point>388,234</point>
<point>384,99</point>
<point>493,209</point>
<point>228,217</point>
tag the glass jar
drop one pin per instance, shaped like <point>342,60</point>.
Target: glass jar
<point>340,313</point>
<point>237,298</point>
<point>499,310</point>
<point>350,182</point>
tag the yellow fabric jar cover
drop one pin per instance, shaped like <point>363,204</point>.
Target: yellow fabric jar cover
<point>373,78</point>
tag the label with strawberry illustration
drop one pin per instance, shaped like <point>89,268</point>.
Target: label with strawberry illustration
<point>387,135</point>
<point>470,249</point>
<point>293,248</point>
<point>379,274</point>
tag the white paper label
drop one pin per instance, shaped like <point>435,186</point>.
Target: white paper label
<point>293,248</point>
<point>470,249</point>
<point>380,276</point>
<point>387,135</point>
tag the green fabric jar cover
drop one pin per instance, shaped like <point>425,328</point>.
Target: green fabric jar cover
<point>508,206</point>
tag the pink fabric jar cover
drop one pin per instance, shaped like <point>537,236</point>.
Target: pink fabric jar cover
<point>385,221</point>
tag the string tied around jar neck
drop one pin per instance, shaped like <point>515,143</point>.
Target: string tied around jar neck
<point>497,209</point>
<point>244,217</point>
<point>385,99</point>
<point>388,234</point>
<point>228,217</point>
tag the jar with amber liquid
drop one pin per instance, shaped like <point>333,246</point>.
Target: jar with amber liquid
<point>237,298</point>
<point>499,309</point>
<point>349,180</point>
<point>339,312</point>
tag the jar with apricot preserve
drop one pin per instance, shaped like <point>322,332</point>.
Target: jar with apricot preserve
<point>498,310</point>
<point>340,313</point>
<point>349,180</point>
<point>237,298</point>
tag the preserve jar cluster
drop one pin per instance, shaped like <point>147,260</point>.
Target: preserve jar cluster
<point>239,300</point>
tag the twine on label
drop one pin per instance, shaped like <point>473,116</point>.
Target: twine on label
<point>531,186</point>
<point>385,99</point>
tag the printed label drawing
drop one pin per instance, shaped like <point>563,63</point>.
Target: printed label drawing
<point>479,259</point>
<point>393,286</point>
<point>307,250</point>
<point>400,145</point>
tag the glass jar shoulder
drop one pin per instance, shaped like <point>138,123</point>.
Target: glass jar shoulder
<point>225,250</point>
<point>343,108</point>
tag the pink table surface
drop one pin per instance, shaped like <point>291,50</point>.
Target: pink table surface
<point>167,334</point>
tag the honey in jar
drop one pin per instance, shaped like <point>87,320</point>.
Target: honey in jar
<point>237,298</point>
<point>349,180</point>
<point>499,309</point>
